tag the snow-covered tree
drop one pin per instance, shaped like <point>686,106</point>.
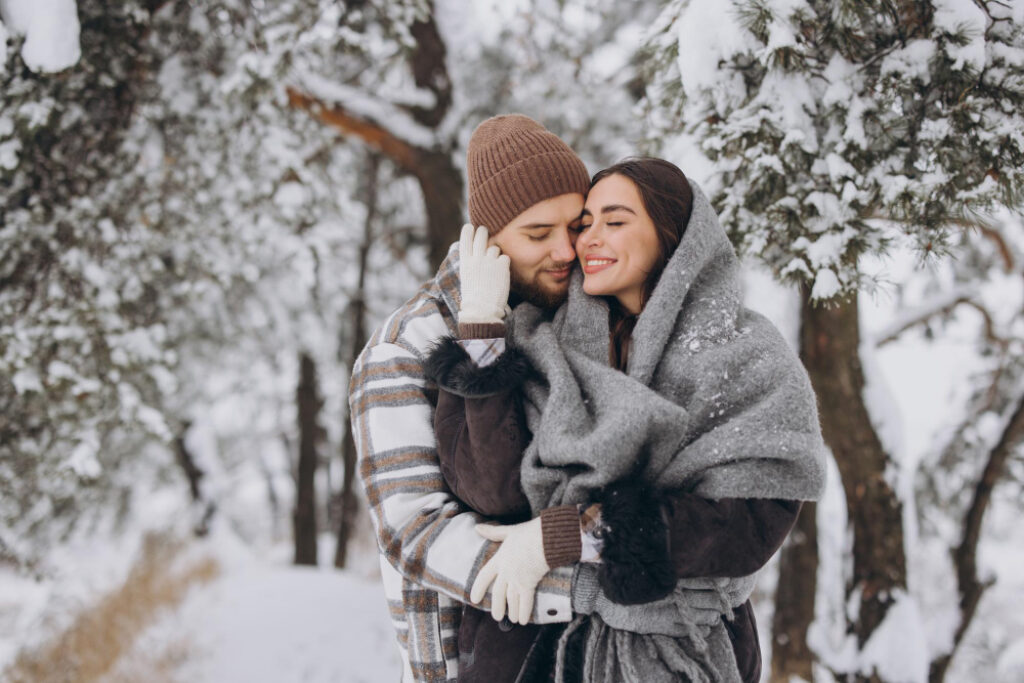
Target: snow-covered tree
<point>836,129</point>
<point>836,125</point>
<point>82,279</point>
<point>166,218</point>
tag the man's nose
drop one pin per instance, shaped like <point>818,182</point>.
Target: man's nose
<point>563,251</point>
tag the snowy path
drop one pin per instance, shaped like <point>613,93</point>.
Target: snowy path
<point>285,625</point>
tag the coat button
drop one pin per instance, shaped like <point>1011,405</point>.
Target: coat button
<point>505,625</point>
<point>552,612</point>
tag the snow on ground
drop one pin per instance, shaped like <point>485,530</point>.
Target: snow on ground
<point>264,620</point>
<point>285,624</point>
<point>73,576</point>
<point>261,620</point>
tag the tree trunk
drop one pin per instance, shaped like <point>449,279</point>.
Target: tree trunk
<point>441,183</point>
<point>830,341</point>
<point>792,659</point>
<point>273,501</point>
<point>349,502</point>
<point>187,463</point>
<point>304,516</point>
<point>965,556</point>
<point>440,179</point>
<point>205,508</point>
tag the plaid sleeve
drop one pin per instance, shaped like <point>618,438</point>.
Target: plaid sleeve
<point>422,530</point>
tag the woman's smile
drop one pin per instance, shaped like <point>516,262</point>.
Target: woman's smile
<point>595,264</point>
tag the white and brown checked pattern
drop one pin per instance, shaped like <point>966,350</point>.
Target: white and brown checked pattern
<point>483,352</point>
<point>430,552</point>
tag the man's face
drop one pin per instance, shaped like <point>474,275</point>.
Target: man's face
<point>540,243</point>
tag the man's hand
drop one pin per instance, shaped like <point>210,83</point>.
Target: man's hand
<point>483,276</point>
<point>515,569</point>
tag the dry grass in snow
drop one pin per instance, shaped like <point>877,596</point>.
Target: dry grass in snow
<point>99,641</point>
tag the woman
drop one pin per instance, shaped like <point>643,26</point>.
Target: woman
<point>664,409</point>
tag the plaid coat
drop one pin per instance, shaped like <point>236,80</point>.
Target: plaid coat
<point>429,551</point>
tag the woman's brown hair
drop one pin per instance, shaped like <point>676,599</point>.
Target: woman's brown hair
<point>668,200</point>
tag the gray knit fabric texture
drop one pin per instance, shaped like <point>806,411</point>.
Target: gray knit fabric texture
<point>713,401</point>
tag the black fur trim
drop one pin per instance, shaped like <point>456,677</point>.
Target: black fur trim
<point>636,559</point>
<point>451,368</point>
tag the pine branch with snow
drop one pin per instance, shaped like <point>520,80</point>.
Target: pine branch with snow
<point>835,126</point>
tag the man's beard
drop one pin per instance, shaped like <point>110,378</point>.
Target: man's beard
<point>533,292</point>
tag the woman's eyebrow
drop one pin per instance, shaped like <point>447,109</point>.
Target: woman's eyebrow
<point>609,209</point>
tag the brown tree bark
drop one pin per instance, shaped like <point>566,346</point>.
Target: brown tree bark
<point>441,183</point>
<point>304,515</point>
<point>438,176</point>
<point>792,659</point>
<point>429,71</point>
<point>357,321</point>
<point>830,341</point>
<point>965,556</point>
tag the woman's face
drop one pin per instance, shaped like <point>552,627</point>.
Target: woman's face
<point>618,246</point>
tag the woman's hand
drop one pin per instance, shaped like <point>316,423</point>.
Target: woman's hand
<point>515,569</point>
<point>483,276</point>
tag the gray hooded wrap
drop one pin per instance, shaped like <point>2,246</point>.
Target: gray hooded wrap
<point>713,402</point>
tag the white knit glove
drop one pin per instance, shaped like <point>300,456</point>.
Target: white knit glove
<point>484,277</point>
<point>515,569</point>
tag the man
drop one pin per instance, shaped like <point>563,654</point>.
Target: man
<point>528,188</point>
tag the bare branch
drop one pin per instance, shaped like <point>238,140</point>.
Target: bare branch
<point>965,556</point>
<point>978,223</point>
<point>1004,249</point>
<point>373,134</point>
<point>941,306</point>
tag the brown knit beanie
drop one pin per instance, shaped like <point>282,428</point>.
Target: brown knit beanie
<point>513,162</point>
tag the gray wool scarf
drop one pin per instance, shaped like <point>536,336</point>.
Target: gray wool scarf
<point>713,402</point>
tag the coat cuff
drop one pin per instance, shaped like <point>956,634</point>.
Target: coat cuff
<point>481,330</point>
<point>450,367</point>
<point>636,556</point>
<point>560,527</point>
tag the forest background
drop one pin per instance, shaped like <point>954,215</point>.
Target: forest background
<point>206,206</point>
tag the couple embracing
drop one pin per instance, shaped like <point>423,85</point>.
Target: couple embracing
<point>577,444</point>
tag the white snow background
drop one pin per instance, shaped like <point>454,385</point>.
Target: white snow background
<point>264,620</point>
